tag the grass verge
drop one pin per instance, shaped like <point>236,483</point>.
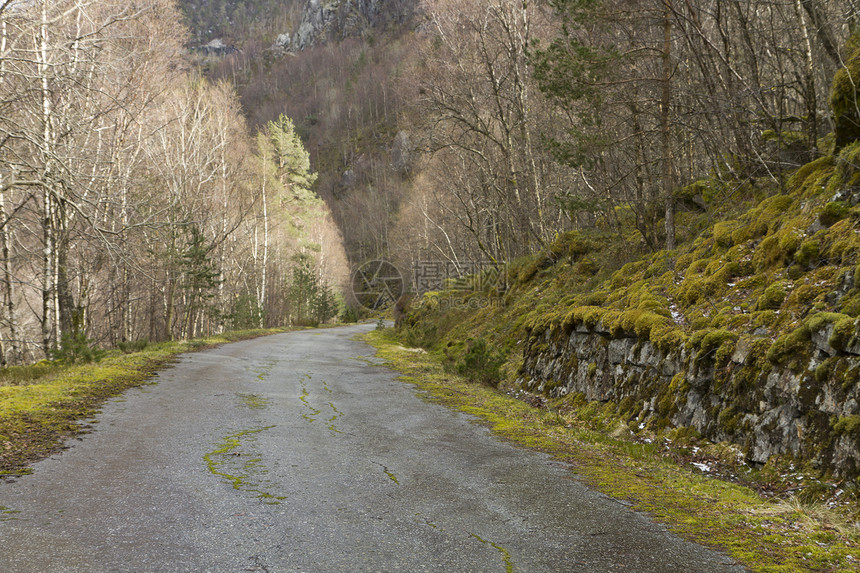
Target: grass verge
<point>51,402</point>
<point>766,535</point>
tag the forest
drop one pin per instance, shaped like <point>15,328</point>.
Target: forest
<point>483,129</point>
<point>135,203</point>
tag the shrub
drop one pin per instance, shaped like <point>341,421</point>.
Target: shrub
<point>480,364</point>
<point>129,346</point>
<point>77,348</point>
<point>348,315</point>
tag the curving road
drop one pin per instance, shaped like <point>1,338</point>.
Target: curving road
<point>298,452</point>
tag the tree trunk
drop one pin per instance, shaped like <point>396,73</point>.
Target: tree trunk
<point>9,286</point>
<point>809,82</point>
<point>665,126</point>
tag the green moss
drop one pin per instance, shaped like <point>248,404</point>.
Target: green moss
<point>846,425</point>
<point>643,322</point>
<point>790,347</point>
<point>244,472</point>
<point>833,212</point>
<point>809,253</point>
<point>716,343</point>
<point>667,337</point>
<point>843,101</point>
<point>254,401</point>
<point>627,274</point>
<point>803,296</point>
<point>789,241</point>
<point>776,249</point>
<point>723,232</point>
<point>821,320</point>
<point>728,419</point>
<point>766,217</point>
<point>772,298</point>
<point>814,169</point>
<point>844,328</point>
<point>596,298</point>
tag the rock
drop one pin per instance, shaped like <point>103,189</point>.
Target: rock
<point>767,409</point>
<point>348,178</point>
<point>742,351</point>
<point>216,47</point>
<point>820,338</point>
<point>618,349</point>
<point>326,20</point>
<point>816,226</point>
<point>843,101</point>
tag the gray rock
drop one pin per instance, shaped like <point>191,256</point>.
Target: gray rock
<point>742,351</point>
<point>777,411</point>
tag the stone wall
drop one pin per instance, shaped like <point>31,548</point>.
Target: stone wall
<point>808,409</point>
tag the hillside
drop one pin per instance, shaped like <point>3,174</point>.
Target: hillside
<point>329,67</point>
<point>746,333</point>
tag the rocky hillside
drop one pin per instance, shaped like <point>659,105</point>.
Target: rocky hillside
<point>324,20</point>
<point>747,333</point>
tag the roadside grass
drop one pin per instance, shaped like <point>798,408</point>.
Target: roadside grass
<point>766,535</point>
<point>43,405</point>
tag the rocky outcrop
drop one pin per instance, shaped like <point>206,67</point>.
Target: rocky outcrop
<point>216,47</point>
<point>801,400</point>
<point>327,20</point>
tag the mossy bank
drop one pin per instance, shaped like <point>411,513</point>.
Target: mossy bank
<point>747,332</point>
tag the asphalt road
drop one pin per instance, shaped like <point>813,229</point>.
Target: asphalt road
<point>298,452</point>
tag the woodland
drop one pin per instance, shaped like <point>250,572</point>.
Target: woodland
<point>135,203</point>
<point>150,192</point>
<point>482,130</point>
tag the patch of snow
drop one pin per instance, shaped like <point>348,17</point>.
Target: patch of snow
<point>703,467</point>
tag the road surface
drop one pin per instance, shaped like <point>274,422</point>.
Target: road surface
<point>298,452</point>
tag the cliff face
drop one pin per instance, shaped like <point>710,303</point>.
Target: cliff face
<point>809,410</point>
<point>328,20</point>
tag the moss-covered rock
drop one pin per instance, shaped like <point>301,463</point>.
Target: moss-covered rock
<point>844,102</point>
<point>772,297</point>
<point>833,212</point>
